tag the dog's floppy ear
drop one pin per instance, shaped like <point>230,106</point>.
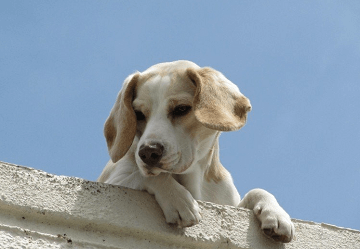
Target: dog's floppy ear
<point>120,126</point>
<point>218,103</point>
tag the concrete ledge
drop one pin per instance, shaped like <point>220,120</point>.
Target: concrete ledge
<point>40,210</point>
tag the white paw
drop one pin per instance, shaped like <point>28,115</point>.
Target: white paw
<point>275,222</point>
<point>182,209</point>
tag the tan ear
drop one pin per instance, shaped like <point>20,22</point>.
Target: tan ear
<point>218,103</point>
<point>120,126</point>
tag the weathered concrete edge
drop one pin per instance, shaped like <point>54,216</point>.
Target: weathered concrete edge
<point>64,201</point>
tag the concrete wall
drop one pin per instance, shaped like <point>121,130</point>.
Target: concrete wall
<point>40,210</point>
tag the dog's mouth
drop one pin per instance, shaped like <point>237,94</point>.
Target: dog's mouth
<point>157,170</point>
<point>153,171</point>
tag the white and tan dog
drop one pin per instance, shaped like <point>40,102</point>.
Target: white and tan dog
<point>162,135</point>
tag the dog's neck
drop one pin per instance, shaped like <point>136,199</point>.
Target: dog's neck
<point>207,168</point>
<point>214,170</point>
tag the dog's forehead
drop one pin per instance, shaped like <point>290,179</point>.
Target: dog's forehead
<point>162,86</point>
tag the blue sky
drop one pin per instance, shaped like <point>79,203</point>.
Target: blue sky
<point>62,64</point>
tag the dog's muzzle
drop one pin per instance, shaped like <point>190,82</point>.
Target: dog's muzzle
<point>151,154</point>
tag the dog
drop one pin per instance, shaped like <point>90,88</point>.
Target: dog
<point>163,133</point>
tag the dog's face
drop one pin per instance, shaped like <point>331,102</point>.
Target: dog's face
<point>167,129</point>
<point>174,111</point>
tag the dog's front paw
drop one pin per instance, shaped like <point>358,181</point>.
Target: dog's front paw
<point>275,222</point>
<point>182,209</point>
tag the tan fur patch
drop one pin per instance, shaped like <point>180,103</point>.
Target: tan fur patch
<point>105,174</point>
<point>218,103</point>
<point>120,127</point>
<point>215,171</point>
<point>110,131</point>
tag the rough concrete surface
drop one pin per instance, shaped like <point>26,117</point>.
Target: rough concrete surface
<point>40,210</point>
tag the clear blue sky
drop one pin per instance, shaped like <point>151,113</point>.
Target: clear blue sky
<point>62,64</point>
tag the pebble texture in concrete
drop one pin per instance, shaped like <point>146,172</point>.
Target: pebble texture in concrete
<point>40,210</point>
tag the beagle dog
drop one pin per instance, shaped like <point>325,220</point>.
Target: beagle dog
<point>163,137</point>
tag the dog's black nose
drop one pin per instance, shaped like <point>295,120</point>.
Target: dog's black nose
<point>151,153</point>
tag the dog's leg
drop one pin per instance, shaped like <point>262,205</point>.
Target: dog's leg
<point>275,222</point>
<point>177,203</point>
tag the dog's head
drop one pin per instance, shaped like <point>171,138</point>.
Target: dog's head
<point>174,110</point>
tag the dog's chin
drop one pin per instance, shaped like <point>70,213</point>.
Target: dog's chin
<point>178,168</point>
<point>149,172</point>
<point>155,171</point>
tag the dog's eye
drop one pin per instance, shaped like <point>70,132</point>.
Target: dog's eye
<point>181,110</point>
<point>139,115</point>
